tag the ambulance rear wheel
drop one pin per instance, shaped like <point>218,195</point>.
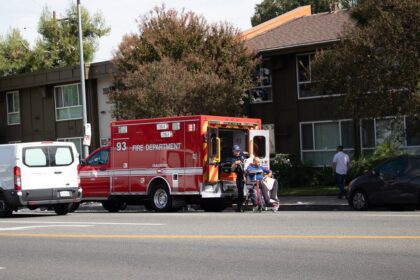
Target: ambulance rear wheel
<point>213,205</point>
<point>161,201</point>
<point>114,206</point>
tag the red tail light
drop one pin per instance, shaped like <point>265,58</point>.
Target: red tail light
<point>18,179</point>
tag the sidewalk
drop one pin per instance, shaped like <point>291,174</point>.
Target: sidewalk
<point>313,203</point>
<point>287,203</point>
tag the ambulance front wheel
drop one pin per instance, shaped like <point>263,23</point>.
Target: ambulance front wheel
<point>161,201</point>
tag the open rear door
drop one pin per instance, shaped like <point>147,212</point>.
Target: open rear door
<point>259,146</point>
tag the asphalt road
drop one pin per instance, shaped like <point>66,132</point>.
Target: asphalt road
<point>197,245</point>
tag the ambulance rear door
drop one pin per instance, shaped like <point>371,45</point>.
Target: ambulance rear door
<point>259,146</point>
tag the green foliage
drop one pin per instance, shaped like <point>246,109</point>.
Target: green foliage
<point>57,46</point>
<point>269,9</point>
<point>178,64</point>
<point>14,54</point>
<point>59,42</point>
<point>382,152</point>
<point>376,64</point>
<point>290,171</point>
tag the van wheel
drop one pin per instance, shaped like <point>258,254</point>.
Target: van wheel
<point>74,206</point>
<point>114,206</point>
<point>62,209</point>
<point>161,201</point>
<point>359,201</point>
<point>5,210</point>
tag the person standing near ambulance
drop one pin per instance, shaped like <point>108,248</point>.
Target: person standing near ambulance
<point>238,167</point>
<point>339,166</point>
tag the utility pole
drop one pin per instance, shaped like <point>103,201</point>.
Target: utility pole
<point>86,125</point>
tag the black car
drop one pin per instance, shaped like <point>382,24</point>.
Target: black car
<point>394,183</point>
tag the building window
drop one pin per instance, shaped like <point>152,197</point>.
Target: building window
<point>304,76</point>
<point>404,131</point>
<point>263,92</point>
<point>319,140</point>
<point>13,108</point>
<point>68,102</point>
<point>77,141</point>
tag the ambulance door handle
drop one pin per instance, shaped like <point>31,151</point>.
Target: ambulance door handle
<point>57,172</point>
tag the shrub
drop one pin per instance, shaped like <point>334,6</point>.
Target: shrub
<point>382,152</point>
<point>291,171</point>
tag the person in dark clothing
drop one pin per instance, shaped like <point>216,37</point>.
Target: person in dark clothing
<point>238,167</point>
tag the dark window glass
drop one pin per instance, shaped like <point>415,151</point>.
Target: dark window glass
<point>307,137</point>
<point>259,146</point>
<point>392,168</point>
<point>413,132</point>
<point>368,134</point>
<point>304,68</point>
<point>100,158</point>
<point>413,168</point>
<point>347,134</point>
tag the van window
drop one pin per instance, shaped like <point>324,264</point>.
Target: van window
<point>47,156</point>
<point>62,156</point>
<point>35,157</point>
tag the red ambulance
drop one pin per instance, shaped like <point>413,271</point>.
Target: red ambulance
<point>167,163</point>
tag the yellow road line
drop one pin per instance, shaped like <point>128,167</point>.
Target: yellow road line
<point>159,236</point>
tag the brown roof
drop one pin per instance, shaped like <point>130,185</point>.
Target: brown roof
<point>306,30</point>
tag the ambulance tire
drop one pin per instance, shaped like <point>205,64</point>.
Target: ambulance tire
<point>213,205</point>
<point>62,209</point>
<point>114,206</point>
<point>5,210</point>
<point>161,200</point>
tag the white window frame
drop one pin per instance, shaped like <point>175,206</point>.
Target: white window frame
<point>270,86</point>
<point>67,139</point>
<point>298,83</point>
<point>13,93</point>
<point>404,146</point>
<point>302,151</point>
<point>79,102</point>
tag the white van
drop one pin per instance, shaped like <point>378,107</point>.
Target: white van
<point>39,174</point>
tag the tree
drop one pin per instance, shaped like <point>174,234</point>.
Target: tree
<point>269,9</point>
<point>59,42</point>
<point>14,54</point>
<point>178,64</point>
<point>376,65</point>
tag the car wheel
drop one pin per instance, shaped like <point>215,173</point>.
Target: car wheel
<point>359,201</point>
<point>161,201</point>
<point>5,210</point>
<point>114,206</point>
<point>62,209</point>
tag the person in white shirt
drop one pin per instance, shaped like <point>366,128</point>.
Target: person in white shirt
<point>340,166</point>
